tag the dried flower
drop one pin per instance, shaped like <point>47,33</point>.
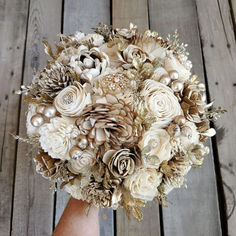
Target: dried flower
<point>57,137</point>
<point>121,163</point>
<point>72,100</point>
<point>143,183</point>
<point>160,101</point>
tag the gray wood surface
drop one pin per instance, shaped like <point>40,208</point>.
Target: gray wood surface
<point>12,41</point>
<point>82,16</point>
<point>33,200</point>
<point>27,205</point>
<point>219,51</point>
<point>191,211</point>
<point>135,11</point>
<point>124,12</point>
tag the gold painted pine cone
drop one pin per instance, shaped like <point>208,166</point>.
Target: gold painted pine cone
<point>54,78</point>
<point>109,120</point>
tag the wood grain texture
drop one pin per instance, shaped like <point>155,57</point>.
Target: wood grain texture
<point>124,12</point>
<point>13,19</point>
<point>33,200</point>
<point>233,10</point>
<point>135,11</point>
<point>219,50</point>
<point>192,211</point>
<point>82,15</point>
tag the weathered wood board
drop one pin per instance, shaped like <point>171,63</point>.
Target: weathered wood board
<point>33,200</point>
<point>219,51</point>
<point>82,16</point>
<point>12,42</point>
<point>199,203</point>
<point>124,12</point>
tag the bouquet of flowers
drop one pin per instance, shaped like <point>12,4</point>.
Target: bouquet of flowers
<point>117,117</point>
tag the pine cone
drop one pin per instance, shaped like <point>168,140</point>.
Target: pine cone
<point>54,78</point>
<point>46,165</point>
<point>109,121</point>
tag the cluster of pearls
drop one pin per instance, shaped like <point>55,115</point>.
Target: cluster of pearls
<point>42,112</point>
<point>177,127</point>
<point>77,151</point>
<point>171,79</point>
<point>114,83</point>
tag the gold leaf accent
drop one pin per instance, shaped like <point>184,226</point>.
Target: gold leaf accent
<point>48,49</point>
<point>137,213</point>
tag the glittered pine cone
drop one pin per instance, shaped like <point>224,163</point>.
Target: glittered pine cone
<point>96,194</point>
<point>109,121</point>
<point>46,165</point>
<point>54,78</point>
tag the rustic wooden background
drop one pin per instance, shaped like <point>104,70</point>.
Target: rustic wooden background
<point>207,207</point>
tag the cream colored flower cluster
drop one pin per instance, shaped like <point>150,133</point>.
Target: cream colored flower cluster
<point>119,117</point>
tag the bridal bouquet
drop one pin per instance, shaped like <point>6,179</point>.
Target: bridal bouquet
<point>117,117</point>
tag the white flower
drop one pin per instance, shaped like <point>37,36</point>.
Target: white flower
<point>186,141</point>
<point>72,100</point>
<point>160,102</point>
<point>57,137</point>
<point>31,130</point>
<point>74,189</point>
<point>87,158</point>
<point>143,183</point>
<point>172,63</point>
<point>155,145</point>
<point>151,47</point>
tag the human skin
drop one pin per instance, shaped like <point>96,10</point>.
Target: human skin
<point>75,222</point>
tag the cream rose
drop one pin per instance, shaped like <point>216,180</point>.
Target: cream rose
<point>86,158</point>
<point>57,137</point>
<point>172,63</point>
<point>143,183</point>
<point>72,100</point>
<point>155,146</point>
<point>160,101</point>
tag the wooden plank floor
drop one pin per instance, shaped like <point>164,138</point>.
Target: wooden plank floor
<point>207,207</point>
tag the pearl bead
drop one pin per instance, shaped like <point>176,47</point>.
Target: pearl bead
<point>37,120</point>
<point>165,79</point>
<point>49,111</point>
<point>89,63</point>
<point>75,152</point>
<point>180,120</point>
<point>173,74</point>
<point>83,142</point>
<point>40,108</point>
<point>177,85</point>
